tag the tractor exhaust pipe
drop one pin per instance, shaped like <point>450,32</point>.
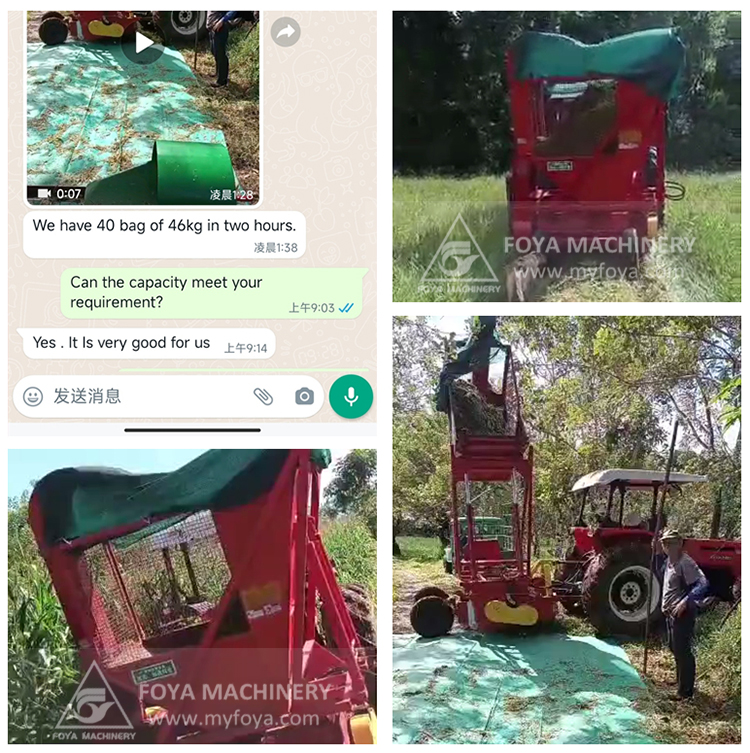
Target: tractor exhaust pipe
<point>657,528</point>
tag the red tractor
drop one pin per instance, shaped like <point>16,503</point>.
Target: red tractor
<point>589,131</point>
<point>605,576</point>
<point>211,577</point>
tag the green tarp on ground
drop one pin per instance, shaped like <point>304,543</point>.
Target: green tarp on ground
<point>653,58</point>
<point>92,112</point>
<point>77,502</point>
<point>471,688</point>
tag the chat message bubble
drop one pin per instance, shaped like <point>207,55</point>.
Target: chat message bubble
<point>231,344</point>
<point>164,235</point>
<point>256,293</point>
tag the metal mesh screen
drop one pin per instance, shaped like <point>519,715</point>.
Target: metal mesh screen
<point>167,579</point>
<point>493,512</point>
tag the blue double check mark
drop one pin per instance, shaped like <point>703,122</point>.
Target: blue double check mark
<point>347,308</point>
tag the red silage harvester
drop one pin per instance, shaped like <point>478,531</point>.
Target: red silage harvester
<point>211,577</point>
<point>491,476</point>
<point>589,138</point>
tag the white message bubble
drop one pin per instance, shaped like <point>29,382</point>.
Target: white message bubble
<point>116,396</point>
<point>132,343</point>
<point>164,235</point>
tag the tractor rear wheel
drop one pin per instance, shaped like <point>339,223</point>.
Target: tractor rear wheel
<point>571,573</point>
<point>429,591</point>
<point>53,31</point>
<point>432,617</point>
<point>53,14</point>
<point>615,590</point>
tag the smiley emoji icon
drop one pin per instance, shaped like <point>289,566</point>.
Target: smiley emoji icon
<point>32,396</point>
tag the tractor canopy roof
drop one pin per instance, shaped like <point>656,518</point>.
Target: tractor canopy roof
<point>77,502</point>
<point>653,58</point>
<point>632,477</point>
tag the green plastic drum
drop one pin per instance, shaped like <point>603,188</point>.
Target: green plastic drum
<point>180,172</point>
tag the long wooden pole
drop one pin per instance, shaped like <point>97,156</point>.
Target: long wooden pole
<point>657,529</point>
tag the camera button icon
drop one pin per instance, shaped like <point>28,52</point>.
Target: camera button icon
<point>304,396</point>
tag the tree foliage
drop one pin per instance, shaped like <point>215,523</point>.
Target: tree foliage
<point>450,91</point>
<point>353,487</point>
<point>601,392</point>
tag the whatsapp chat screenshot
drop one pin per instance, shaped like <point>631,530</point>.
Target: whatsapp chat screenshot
<point>192,225</point>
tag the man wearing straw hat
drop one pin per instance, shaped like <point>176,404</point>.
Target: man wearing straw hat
<point>684,586</point>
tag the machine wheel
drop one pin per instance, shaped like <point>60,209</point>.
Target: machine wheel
<point>179,25</point>
<point>631,236</point>
<point>615,590</point>
<point>53,31</point>
<point>572,572</point>
<point>429,591</point>
<point>431,617</point>
<point>53,14</point>
<point>360,609</point>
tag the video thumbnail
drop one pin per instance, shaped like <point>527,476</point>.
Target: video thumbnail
<point>142,108</point>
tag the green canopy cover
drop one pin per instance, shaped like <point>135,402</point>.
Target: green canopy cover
<point>78,502</point>
<point>653,58</point>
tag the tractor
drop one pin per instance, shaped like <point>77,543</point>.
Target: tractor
<point>502,585</point>
<point>606,570</point>
<point>211,576</point>
<point>589,131</point>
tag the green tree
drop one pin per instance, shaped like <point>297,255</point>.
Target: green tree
<point>353,487</point>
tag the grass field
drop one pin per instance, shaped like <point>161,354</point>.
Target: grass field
<point>425,208</point>
<point>712,717</point>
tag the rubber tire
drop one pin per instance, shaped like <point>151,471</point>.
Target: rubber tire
<point>448,567</point>
<point>599,575</point>
<point>52,14</point>
<point>359,607</point>
<point>53,31</point>
<point>429,591</point>
<point>431,617</point>
<point>630,234</point>
<point>565,571</point>
<point>173,34</point>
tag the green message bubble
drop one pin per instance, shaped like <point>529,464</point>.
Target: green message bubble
<point>211,293</point>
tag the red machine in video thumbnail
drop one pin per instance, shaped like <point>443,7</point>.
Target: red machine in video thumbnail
<point>87,25</point>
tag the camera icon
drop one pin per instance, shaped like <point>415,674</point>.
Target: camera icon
<point>304,396</point>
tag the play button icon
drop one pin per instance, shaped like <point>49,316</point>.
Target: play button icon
<point>141,50</point>
<point>142,42</point>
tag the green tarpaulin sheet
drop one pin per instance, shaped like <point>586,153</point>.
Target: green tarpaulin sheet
<point>471,688</point>
<point>652,58</point>
<point>79,501</point>
<point>92,112</point>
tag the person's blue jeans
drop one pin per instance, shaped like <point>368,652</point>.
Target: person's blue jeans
<point>680,632</point>
<point>219,41</point>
